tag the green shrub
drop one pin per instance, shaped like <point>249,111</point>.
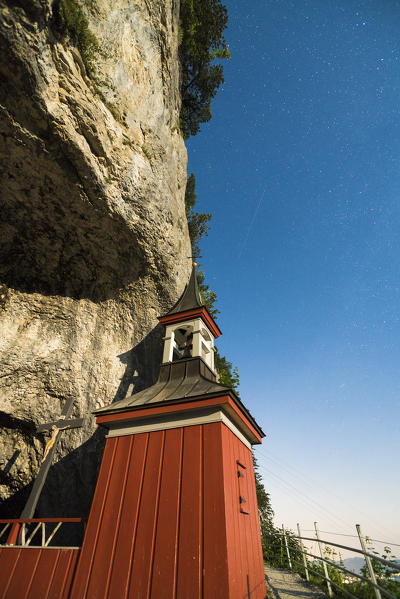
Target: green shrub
<point>70,20</point>
<point>147,152</point>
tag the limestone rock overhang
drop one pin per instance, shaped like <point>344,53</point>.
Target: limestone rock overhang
<point>184,385</point>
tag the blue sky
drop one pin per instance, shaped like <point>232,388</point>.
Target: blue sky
<point>300,167</point>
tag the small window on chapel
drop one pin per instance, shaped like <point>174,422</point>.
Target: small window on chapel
<point>242,488</point>
<point>183,344</point>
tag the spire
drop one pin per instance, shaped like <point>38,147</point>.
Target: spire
<point>190,298</point>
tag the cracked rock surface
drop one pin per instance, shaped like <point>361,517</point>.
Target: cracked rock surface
<point>93,234</point>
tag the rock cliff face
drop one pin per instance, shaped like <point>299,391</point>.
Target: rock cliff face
<point>93,234</point>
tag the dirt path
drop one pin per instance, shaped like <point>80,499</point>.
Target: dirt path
<point>283,584</point>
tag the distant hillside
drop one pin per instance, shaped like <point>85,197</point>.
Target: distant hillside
<point>354,564</point>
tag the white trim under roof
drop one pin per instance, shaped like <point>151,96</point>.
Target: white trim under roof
<point>193,418</point>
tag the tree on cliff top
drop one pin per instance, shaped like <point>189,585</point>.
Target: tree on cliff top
<point>197,221</point>
<point>202,23</point>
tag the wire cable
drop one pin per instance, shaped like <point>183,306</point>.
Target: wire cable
<point>341,534</point>
<point>386,542</point>
<point>308,499</point>
<point>297,473</point>
<point>316,504</point>
<point>308,503</point>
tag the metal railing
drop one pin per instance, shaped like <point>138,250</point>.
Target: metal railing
<point>307,567</point>
<point>32,532</point>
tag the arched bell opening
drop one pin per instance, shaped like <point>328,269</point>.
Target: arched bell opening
<point>189,340</point>
<point>183,343</point>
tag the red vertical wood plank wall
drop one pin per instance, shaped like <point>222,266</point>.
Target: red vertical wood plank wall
<point>62,579</point>
<point>81,581</point>
<point>246,567</point>
<point>21,583</point>
<point>105,544</point>
<point>44,572</point>
<point>190,540</point>
<point>9,562</point>
<point>237,585</point>
<point>119,579</point>
<point>36,573</point>
<point>215,566</point>
<point>165,550</point>
<point>145,534</point>
<point>165,523</point>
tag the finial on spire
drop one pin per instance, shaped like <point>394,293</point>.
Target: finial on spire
<point>193,259</point>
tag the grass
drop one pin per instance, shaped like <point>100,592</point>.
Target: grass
<point>147,153</point>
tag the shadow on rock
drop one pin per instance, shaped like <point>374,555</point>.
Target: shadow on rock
<point>142,364</point>
<point>68,489</point>
<point>70,483</point>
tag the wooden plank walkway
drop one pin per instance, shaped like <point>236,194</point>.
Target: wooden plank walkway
<point>284,584</point>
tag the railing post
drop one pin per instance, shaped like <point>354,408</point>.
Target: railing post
<point>368,561</point>
<point>328,582</point>
<point>14,534</point>
<point>303,552</point>
<point>43,534</point>
<point>287,547</point>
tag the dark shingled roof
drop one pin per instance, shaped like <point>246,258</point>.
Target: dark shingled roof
<point>179,381</point>
<point>190,298</point>
<point>184,379</point>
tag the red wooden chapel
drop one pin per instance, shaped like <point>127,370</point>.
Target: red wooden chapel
<point>174,514</point>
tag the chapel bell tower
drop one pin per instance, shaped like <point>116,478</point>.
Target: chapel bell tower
<point>189,328</point>
<point>174,514</point>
